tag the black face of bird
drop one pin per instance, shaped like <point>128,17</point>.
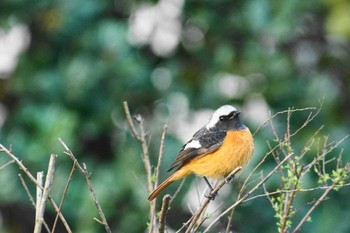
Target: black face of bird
<point>229,121</point>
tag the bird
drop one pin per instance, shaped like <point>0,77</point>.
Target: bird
<point>214,151</point>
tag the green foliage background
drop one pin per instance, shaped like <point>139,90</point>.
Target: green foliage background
<point>80,65</point>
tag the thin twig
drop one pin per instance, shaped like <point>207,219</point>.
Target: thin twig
<point>163,212</point>
<point>282,112</point>
<point>307,215</point>
<point>178,190</point>
<point>160,156</point>
<point>130,122</point>
<point>27,190</point>
<point>31,199</point>
<point>20,164</point>
<point>64,195</point>
<point>89,182</point>
<point>267,194</point>
<point>6,164</point>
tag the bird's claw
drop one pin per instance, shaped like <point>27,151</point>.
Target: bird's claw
<point>211,196</point>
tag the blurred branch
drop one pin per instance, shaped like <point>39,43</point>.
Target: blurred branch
<point>21,166</point>
<point>31,198</point>
<point>6,164</point>
<point>141,138</point>
<point>178,190</point>
<point>160,156</point>
<point>163,212</point>
<point>130,122</point>
<point>86,174</point>
<point>39,195</point>
<point>31,177</point>
<point>64,195</point>
<point>43,196</point>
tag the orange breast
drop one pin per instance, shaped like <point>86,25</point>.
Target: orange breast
<point>236,150</point>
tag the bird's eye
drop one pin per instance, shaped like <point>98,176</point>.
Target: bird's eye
<point>222,118</point>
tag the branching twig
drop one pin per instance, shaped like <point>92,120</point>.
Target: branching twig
<point>31,177</point>
<point>248,193</point>
<point>282,112</point>
<point>64,196</point>
<point>307,215</point>
<point>86,174</point>
<point>141,138</point>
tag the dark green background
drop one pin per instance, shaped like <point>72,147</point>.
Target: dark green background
<point>80,66</point>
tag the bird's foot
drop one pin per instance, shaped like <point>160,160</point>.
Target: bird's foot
<point>211,196</point>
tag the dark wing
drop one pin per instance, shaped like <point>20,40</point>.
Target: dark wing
<point>209,141</point>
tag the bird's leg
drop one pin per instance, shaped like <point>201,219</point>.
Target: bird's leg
<point>211,196</point>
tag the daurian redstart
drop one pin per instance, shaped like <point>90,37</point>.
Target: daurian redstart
<point>215,150</point>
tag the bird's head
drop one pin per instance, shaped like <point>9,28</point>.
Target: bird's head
<point>225,118</point>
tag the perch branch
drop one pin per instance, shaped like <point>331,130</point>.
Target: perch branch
<point>207,200</point>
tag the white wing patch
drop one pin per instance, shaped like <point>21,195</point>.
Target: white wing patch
<point>222,111</point>
<point>193,144</point>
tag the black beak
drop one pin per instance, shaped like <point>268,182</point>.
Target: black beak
<point>235,115</point>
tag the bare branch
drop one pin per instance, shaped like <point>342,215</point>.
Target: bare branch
<point>6,164</point>
<point>163,212</point>
<point>31,198</point>
<point>39,195</point>
<point>31,177</point>
<point>207,200</point>
<point>160,156</point>
<point>141,138</point>
<point>86,174</point>
<point>20,164</point>
<point>307,215</point>
<point>130,122</point>
<point>41,203</point>
<point>282,112</point>
<point>64,195</point>
<point>247,194</point>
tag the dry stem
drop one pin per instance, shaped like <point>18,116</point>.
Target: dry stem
<point>44,194</point>
<point>86,174</point>
<point>163,212</point>
<point>31,177</point>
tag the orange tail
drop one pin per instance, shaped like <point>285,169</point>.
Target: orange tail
<point>161,187</point>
